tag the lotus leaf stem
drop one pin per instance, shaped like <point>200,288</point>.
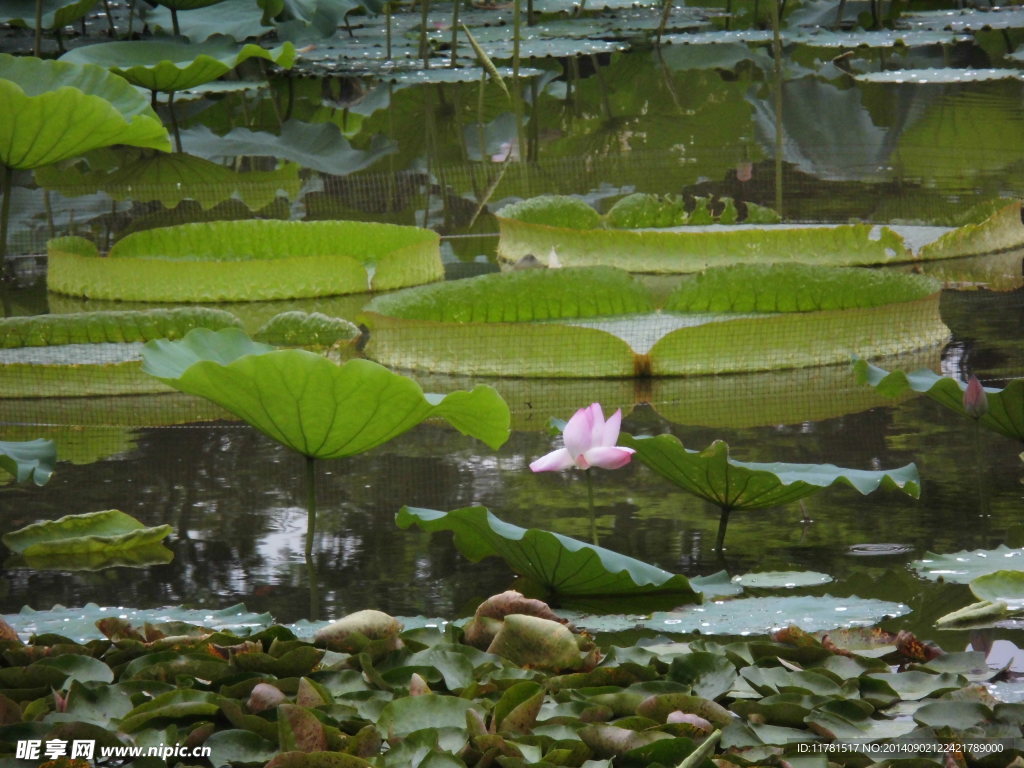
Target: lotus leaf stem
<point>452,62</point>
<point>590,505</point>
<point>311,575</point>
<point>6,190</point>
<point>777,83</point>
<point>723,523</point>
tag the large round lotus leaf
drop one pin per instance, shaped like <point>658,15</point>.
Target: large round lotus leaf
<point>247,260</point>
<point>169,66</point>
<point>310,404</point>
<point>782,579</point>
<point>54,110</point>
<point>1001,586</point>
<point>1005,412</point>
<point>713,475</point>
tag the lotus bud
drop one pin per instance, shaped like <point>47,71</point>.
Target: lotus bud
<point>975,399</point>
<point>352,633</point>
<point>417,685</point>
<point>264,696</point>
<point>679,716</point>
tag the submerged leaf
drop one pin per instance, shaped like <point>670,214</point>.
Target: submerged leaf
<point>563,566</point>
<point>730,484</point>
<point>310,404</point>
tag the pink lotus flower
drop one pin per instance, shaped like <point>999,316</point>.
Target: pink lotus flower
<point>589,442</point>
<point>975,399</point>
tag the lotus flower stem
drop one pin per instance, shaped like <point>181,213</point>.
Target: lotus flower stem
<point>311,575</point>
<point>590,505</point>
<point>6,190</point>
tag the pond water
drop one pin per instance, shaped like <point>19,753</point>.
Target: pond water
<point>656,121</point>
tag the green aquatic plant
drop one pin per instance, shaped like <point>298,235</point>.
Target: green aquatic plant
<point>31,460</point>
<point>55,110</point>
<point>48,15</point>
<point>555,565</point>
<point>313,406</point>
<point>1003,410</point>
<point>89,542</point>
<point>1000,597</point>
<point>582,321</point>
<point>248,260</point>
<point>733,485</point>
<point>167,67</point>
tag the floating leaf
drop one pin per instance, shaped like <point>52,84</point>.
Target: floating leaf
<point>104,531</point>
<point>310,404</point>
<point>730,484</point>
<point>32,460</point>
<point>1002,586</point>
<point>55,110</point>
<point>965,566</point>
<point>161,65</point>
<point>1005,413</point>
<point>782,579</point>
<point>561,565</point>
<point>247,260</point>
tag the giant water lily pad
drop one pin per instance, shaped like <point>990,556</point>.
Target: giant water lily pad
<point>1005,407</point>
<point>740,318</point>
<point>90,353</point>
<point>558,564</point>
<point>247,260</point>
<point>538,226</point>
<point>160,65</point>
<point>55,110</point>
<point>29,460</point>
<point>730,484</point>
<point>310,404</point>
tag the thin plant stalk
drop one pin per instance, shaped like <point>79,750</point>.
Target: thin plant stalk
<point>174,22</point>
<point>110,19</point>
<point>6,191</point>
<point>314,598</point>
<point>424,20</point>
<point>777,83</point>
<point>37,40</point>
<point>666,11</point>
<point>455,35</point>
<point>723,523</point>
<point>387,31</point>
<point>174,121</point>
<point>590,505</point>
<point>517,101</point>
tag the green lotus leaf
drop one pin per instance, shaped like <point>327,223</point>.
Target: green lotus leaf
<point>782,579</point>
<point>172,178</point>
<point>644,210</point>
<point>104,531</point>
<point>109,326</point>
<point>31,460</point>
<point>940,75</point>
<point>320,146</point>
<point>240,747</point>
<point>186,5</point>
<point>1004,586</point>
<point>239,19</point>
<point>795,288</point>
<point>1005,413</point>
<point>55,13</point>
<point>171,66</point>
<point>966,566</point>
<point>310,404</point>
<point>520,296</point>
<point>80,623</point>
<point>712,475</point>
<point>256,259</point>
<point>54,110</point>
<point>563,566</point>
<point>912,685</point>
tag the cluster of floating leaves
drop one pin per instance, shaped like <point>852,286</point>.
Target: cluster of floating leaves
<point>517,683</point>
